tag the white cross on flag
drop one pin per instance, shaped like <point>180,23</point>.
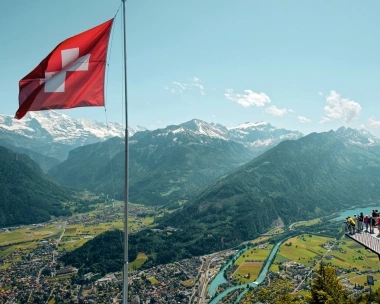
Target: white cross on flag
<point>71,76</point>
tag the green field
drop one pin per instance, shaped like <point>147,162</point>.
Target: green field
<point>188,283</point>
<point>153,280</point>
<point>140,259</point>
<point>346,254</point>
<point>27,234</point>
<point>276,231</point>
<point>28,237</point>
<point>254,254</point>
<point>308,223</point>
<point>250,263</point>
<point>248,272</point>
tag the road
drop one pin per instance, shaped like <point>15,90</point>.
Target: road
<point>204,279</point>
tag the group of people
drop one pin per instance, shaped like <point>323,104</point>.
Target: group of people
<point>357,223</point>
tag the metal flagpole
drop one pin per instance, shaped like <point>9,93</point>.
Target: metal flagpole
<point>125,281</point>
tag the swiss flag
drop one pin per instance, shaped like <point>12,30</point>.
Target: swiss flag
<point>71,76</point>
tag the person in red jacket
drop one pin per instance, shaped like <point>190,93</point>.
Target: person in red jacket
<point>366,222</point>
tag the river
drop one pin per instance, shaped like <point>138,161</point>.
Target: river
<point>259,280</point>
<point>351,212</point>
<point>219,279</point>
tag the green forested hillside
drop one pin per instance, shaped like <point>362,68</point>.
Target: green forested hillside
<point>45,162</point>
<point>27,195</point>
<point>101,255</point>
<point>93,167</point>
<point>307,178</point>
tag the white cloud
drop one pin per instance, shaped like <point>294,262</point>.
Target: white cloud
<point>180,87</point>
<point>248,98</point>
<point>372,122</point>
<point>320,93</point>
<point>274,111</point>
<point>324,120</point>
<point>303,119</point>
<point>340,108</point>
<point>201,88</point>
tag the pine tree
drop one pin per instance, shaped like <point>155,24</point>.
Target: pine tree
<point>279,292</point>
<point>327,289</point>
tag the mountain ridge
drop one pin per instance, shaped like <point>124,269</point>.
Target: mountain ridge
<point>54,134</point>
<point>165,165</point>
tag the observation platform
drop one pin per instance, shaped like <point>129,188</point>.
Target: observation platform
<point>370,241</point>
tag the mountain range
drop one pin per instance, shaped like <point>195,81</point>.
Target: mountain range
<point>167,165</point>
<point>307,178</point>
<point>54,134</point>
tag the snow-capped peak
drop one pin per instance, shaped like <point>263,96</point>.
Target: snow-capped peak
<point>52,126</point>
<point>200,127</point>
<point>359,137</point>
<point>249,125</point>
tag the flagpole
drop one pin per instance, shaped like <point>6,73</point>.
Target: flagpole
<point>126,175</point>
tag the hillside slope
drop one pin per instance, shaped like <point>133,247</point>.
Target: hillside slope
<point>27,195</point>
<point>307,178</point>
<point>165,166</point>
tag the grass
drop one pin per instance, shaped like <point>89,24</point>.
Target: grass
<point>24,246</point>
<point>248,268</point>
<point>188,283</point>
<point>147,220</point>
<point>74,236</point>
<point>170,191</point>
<point>254,254</point>
<point>153,280</point>
<point>260,239</point>
<point>71,245</point>
<point>5,266</point>
<point>346,254</point>
<point>252,268</point>
<point>137,263</point>
<point>26,234</point>
<point>276,230</point>
<point>308,223</point>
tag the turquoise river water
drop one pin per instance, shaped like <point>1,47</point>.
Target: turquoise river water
<point>219,278</point>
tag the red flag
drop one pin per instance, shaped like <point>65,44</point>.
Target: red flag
<point>71,76</point>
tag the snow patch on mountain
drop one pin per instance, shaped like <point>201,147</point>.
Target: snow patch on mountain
<point>54,127</point>
<point>200,127</point>
<point>360,137</point>
<point>249,125</point>
<point>51,126</point>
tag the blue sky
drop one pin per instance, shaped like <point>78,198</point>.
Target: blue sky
<point>300,65</point>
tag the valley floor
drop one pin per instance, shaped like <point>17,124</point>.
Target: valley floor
<point>29,270</point>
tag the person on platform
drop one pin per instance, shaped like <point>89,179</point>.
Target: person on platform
<point>350,225</point>
<point>366,223</point>
<point>356,218</point>
<point>361,218</point>
<point>372,222</point>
